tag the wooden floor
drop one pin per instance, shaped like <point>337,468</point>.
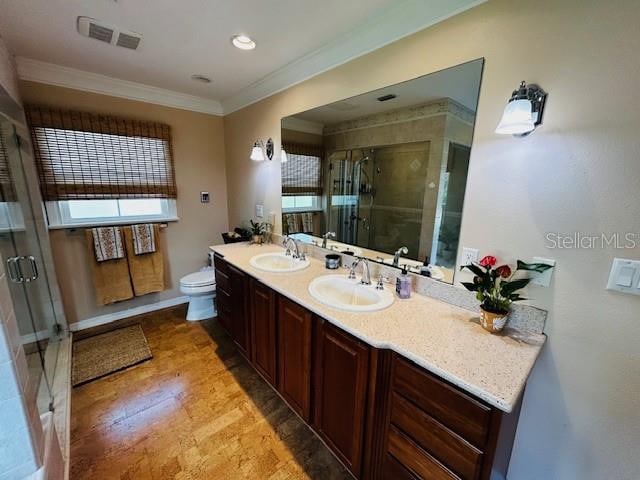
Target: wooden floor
<point>196,410</point>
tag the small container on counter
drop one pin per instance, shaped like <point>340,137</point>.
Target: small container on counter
<point>403,284</point>
<point>332,261</point>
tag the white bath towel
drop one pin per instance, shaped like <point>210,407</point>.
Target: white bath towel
<point>107,243</point>
<point>144,240</point>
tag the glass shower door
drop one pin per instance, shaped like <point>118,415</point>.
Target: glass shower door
<point>21,251</point>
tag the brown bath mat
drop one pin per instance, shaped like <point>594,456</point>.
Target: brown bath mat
<point>100,355</point>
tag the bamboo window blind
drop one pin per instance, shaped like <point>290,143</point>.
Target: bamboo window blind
<point>7,192</point>
<point>83,156</point>
<point>302,173</point>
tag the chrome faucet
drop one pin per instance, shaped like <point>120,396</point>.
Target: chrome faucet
<point>396,256</point>
<point>366,276</point>
<point>287,242</point>
<point>325,236</point>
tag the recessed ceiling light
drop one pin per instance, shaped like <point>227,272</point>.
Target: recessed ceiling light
<point>243,42</point>
<point>200,78</point>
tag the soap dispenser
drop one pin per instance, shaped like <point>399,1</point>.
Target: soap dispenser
<point>403,284</point>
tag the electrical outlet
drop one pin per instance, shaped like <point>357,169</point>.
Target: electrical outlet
<point>543,279</point>
<point>259,210</point>
<point>469,255</point>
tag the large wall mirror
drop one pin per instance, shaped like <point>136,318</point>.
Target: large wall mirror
<point>383,175</point>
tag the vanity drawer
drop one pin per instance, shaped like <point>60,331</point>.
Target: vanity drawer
<point>220,264</point>
<point>394,470</point>
<point>222,281</point>
<point>414,459</point>
<point>454,409</point>
<point>444,445</point>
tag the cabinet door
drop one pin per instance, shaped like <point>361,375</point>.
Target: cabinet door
<point>239,322</point>
<point>263,330</point>
<point>341,380</point>
<point>294,356</point>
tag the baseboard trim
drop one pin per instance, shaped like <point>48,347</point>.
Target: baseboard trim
<point>129,312</point>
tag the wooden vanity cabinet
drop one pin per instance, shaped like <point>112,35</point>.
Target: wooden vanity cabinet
<point>435,430</point>
<point>340,382</point>
<point>263,331</point>
<point>239,325</point>
<point>232,299</point>
<point>223,293</point>
<point>294,325</point>
<point>383,416</point>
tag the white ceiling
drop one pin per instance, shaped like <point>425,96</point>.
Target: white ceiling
<point>296,39</point>
<point>461,83</point>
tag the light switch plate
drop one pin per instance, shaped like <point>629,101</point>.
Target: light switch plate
<point>204,197</point>
<point>469,255</point>
<point>543,279</point>
<point>625,276</point>
<point>259,210</point>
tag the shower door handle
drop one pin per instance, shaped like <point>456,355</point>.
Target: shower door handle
<point>34,268</point>
<point>13,269</point>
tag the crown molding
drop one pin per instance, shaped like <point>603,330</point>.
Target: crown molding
<point>300,125</point>
<point>399,21</point>
<point>48,73</point>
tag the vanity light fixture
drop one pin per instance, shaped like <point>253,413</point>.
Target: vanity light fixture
<point>257,155</point>
<point>523,113</point>
<point>243,42</point>
<point>283,155</point>
<point>261,151</point>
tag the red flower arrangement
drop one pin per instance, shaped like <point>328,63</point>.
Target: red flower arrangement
<point>496,288</point>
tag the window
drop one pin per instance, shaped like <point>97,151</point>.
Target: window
<point>96,169</point>
<point>66,213</point>
<point>302,178</point>
<point>301,203</point>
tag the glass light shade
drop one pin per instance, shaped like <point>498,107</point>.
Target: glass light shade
<point>257,155</point>
<point>283,156</point>
<point>517,118</point>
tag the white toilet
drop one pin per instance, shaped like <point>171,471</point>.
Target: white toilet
<point>200,287</point>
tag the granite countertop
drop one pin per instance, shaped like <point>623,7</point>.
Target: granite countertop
<point>444,339</point>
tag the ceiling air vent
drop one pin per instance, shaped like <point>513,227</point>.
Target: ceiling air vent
<point>92,28</point>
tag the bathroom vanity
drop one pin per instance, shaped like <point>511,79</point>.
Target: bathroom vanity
<point>417,390</point>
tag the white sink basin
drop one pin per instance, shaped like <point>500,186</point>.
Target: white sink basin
<point>339,292</point>
<point>278,262</point>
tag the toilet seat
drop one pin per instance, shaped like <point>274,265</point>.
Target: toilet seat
<point>199,279</point>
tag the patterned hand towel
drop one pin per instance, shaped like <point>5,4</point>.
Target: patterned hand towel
<point>144,240</point>
<point>107,243</point>
<point>307,222</point>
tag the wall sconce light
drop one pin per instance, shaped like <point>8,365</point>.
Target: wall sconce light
<point>257,154</point>
<point>260,151</point>
<point>523,113</point>
<point>283,155</point>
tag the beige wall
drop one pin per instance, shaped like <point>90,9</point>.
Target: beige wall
<point>198,146</point>
<point>579,172</point>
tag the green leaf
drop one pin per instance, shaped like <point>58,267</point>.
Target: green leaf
<point>475,269</point>
<point>533,267</point>
<point>507,288</point>
<point>472,287</point>
<point>515,297</point>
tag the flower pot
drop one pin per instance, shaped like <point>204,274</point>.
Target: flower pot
<point>257,239</point>
<point>492,322</point>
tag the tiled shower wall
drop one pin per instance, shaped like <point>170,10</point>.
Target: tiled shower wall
<point>21,436</point>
